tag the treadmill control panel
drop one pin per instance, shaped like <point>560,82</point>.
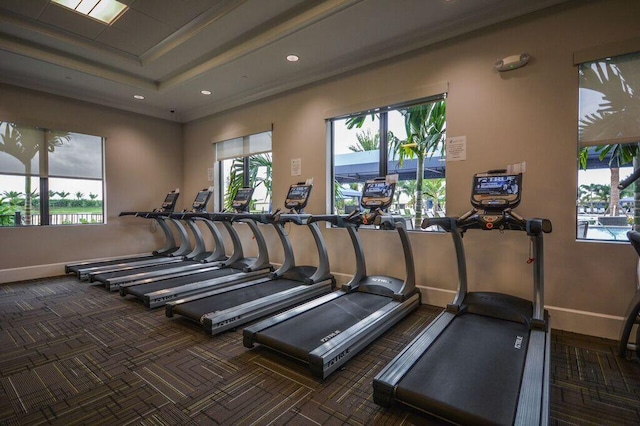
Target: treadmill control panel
<point>169,203</point>
<point>496,191</point>
<point>298,197</point>
<point>377,194</point>
<point>200,203</point>
<point>242,199</point>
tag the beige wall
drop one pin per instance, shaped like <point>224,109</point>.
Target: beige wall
<point>143,159</point>
<point>525,115</point>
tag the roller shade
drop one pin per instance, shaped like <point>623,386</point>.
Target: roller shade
<point>609,106</point>
<point>244,146</point>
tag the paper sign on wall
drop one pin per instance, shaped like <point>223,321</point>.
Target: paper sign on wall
<point>457,148</point>
<point>296,166</point>
<point>210,174</point>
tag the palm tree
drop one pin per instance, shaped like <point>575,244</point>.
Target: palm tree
<point>425,126</point>
<point>236,176</point>
<point>14,197</point>
<point>620,107</point>
<point>366,141</point>
<point>79,195</point>
<point>435,189</point>
<point>24,143</point>
<point>407,187</point>
<point>63,195</point>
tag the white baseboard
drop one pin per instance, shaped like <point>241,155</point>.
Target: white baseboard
<point>31,272</point>
<point>583,322</point>
<point>44,271</point>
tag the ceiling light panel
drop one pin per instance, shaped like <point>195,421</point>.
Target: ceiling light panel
<point>103,10</point>
<point>86,6</point>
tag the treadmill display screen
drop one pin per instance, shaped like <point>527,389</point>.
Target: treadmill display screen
<point>497,191</point>
<point>202,196</point>
<point>201,200</point>
<point>298,196</point>
<point>169,202</point>
<point>242,198</point>
<point>378,194</point>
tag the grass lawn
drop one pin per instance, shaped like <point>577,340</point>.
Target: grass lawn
<point>75,210</point>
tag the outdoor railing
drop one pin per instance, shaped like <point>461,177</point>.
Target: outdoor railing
<point>17,219</point>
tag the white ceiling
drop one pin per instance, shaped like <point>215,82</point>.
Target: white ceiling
<point>170,50</point>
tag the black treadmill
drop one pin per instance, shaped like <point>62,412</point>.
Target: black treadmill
<point>485,359</point>
<point>113,276</point>
<point>632,316</point>
<point>164,254</point>
<point>224,308</point>
<point>326,332</point>
<point>155,290</point>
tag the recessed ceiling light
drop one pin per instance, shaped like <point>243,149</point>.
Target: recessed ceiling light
<point>205,92</point>
<point>293,58</point>
<point>138,96</point>
<point>102,10</point>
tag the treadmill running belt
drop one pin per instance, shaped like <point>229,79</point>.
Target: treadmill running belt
<point>471,374</point>
<point>142,289</point>
<point>219,302</point>
<point>305,332</point>
<point>117,274</point>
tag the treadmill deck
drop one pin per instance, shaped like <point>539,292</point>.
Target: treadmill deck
<point>471,374</point>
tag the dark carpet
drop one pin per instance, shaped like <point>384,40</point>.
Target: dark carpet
<point>72,354</point>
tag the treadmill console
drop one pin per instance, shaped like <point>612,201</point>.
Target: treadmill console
<point>200,203</point>
<point>242,199</point>
<point>169,203</point>
<point>377,194</point>
<point>298,197</point>
<point>496,191</point>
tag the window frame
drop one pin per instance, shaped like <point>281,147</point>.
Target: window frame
<point>383,128</point>
<point>245,151</point>
<point>609,73</point>
<point>44,176</point>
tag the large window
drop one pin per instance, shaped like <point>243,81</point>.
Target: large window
<point>49,177</point>
<point>408,140</point>
<point>609,133</point>
<point>245,162</point>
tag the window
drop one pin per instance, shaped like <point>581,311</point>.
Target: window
<point>608,137</point>
<point>407,140</point>
<point>245,162</point>
<point>50,177</point>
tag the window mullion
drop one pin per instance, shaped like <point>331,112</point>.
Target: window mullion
<point>384,144</point>
<point>246,171</point>
<point>44,179</point>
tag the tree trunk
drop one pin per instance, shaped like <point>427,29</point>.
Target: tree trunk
<point>419,180</point>
<point>614,200</point>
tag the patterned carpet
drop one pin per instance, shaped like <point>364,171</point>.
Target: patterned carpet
<point>75,354</point>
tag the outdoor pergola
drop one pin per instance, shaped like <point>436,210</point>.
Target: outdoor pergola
<point>360,166</point>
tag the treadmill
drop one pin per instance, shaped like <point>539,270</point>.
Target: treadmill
<point>326,332</point>
<point>187,260</point>
<point>156,291</point>
<point>632,315</point>
<point>224,308</point>
<point>485,359</point>
<point>82,269</point>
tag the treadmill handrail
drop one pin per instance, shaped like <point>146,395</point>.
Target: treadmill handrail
<point>339,221</point>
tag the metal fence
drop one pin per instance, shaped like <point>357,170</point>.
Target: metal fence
<point>17,219</point>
